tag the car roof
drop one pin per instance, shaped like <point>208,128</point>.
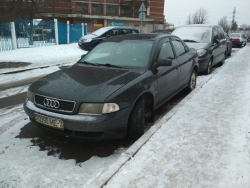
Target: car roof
<point>138,36</point>
<point>119,27</point>
<point>200,25</point>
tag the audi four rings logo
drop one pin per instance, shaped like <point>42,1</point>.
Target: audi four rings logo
<point>51,103</point>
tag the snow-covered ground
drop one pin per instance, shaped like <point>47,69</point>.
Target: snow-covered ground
<point>204,143</point>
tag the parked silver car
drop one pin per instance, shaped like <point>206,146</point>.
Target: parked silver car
<point>238,39</point>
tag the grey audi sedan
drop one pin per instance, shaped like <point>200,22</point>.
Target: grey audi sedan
<point>112,90</point>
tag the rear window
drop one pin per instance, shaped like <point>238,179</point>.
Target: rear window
<point>234,35</point>
<point>198,34</point>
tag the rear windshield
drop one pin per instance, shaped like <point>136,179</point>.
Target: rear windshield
<point>198,34</point>
<point>100,31</point>
<point>234,35</point>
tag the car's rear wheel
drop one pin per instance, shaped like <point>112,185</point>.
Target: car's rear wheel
<point>209,67</point>
<point>136,120</point>
<point>192,81</point>
<point>245,43</point>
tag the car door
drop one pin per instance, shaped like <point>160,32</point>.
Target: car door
<point>223,43</point>
<point>185,61</point>
<point>216,46</point>
<point>167,76</point>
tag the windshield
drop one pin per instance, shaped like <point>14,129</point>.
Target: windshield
<point>125,54</point>
<point>195,34</point>
<point>100,31</point>
<point>234,35</point>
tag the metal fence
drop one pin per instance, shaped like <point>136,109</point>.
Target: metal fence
<point>34,33</point>
<point>37,32</point>
<point>75,32</point>
<point>5,37</point>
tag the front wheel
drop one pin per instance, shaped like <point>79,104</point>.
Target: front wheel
<point>192,81</point>
<point>209,67</point>
<point>136,121</point>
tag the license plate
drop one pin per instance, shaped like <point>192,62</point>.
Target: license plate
<point>52,122</point>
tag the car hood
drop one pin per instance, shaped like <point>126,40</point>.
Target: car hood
<point>197,46</point>
<point>82,83</point>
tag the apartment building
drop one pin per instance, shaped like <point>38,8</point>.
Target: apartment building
<point>100,13</point>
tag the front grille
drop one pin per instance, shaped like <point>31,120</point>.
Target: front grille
<point>65,105</point>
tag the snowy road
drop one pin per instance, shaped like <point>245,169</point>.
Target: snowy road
<point>31,157</point>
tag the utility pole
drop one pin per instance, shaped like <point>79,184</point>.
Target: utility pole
<point>233,18</point>
<point>142,14</point>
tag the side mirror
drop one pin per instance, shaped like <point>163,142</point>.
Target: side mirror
<point>231,39</point>
<point>164,62</point>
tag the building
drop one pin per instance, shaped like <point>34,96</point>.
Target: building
<point>100,13</point>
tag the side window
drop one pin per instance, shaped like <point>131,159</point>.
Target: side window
<point>113,32</point>
<point>134,32</point>
<point>166,51</point>
<point>123,31</point>
<point>222,35</point>
<point>186,47</point>
<point>179,48</point>
<point>215,35</point>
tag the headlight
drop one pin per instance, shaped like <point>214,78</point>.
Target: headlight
<point>201,52</point>
<point>98,108</point>
<point>30,95</point>
<point>87,40</point>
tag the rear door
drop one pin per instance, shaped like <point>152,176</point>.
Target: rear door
<point>167,76</point>
<point>185,61</point>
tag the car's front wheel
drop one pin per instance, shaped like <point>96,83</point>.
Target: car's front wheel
<point>136,120</point>
<point>209,67</point>
<point>192,81</point>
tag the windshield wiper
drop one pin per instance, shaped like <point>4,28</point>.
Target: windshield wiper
<point>88,63</point>
<point>188,40</point>
<point>110,65</point>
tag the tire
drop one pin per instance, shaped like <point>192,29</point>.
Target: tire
<point>192,81</point>
<point>136,121</point>
<point>245,43</point>
<point>209,67</point>
<point>229,54</point>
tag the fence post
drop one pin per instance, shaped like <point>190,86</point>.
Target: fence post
<point>56,31</point>
<point>68,32</point>
<point>82,29</point>
<point>13,35</point>
<point>85,29</point>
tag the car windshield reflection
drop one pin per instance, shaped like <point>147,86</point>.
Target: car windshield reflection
<point>125,54</point>
<point>196,34</point>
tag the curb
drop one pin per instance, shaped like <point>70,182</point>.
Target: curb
<point>17,83</point>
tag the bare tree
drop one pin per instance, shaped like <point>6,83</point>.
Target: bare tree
<point>200,16</point>
<point>189,19</point>
<point>224,24</point>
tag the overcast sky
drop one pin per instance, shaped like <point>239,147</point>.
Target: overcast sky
<point>177,11</point>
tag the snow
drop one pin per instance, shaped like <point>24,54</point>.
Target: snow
<point>203,142</point>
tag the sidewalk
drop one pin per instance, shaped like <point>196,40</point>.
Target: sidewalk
<point>206,143</point>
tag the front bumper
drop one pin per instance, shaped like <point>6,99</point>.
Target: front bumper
<point>85,46</point>
<point>85,127</point>
<point>203,63</point>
